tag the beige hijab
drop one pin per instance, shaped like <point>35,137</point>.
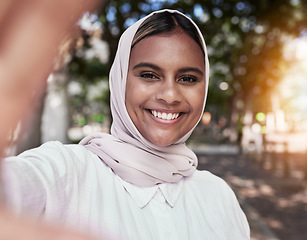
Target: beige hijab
<point>125,150</point>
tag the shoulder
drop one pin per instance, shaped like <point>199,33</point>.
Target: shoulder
<point>206,178</point>
<point>57,150</point>
<point>204,183</point>
<point>216,199</point>
<point>53,146</point>
<point>56,156</point>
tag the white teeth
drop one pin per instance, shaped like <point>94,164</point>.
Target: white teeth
<point>165,116</point>
<point>169,116</point>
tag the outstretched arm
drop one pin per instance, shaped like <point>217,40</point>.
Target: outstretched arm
<point>30,34</point>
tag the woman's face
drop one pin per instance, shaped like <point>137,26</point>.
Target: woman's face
<point>165,87</point>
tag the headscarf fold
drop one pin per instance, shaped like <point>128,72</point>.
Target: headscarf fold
<point>125,150</point>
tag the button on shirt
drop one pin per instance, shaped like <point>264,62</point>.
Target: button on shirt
<point>72,186</point>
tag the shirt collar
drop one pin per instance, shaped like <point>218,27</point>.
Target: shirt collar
<point>143,195</point>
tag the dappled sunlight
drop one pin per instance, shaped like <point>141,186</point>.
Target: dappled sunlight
<point>241,182</point>
<point>250,188</point>
<point>266,190</point>
<point>292,89</point>
<point>277,199</point>
<point>274,223</point>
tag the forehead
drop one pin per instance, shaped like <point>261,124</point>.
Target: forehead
<point>168,47</point>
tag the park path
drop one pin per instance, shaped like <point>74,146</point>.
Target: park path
<point>276,208</point>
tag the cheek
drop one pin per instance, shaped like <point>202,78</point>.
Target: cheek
<point>128,89</point>
<point>128,97</point>
<point>196,99</point>
<point>138,91</point>
<point>133,95</point>
<point>136,96</point>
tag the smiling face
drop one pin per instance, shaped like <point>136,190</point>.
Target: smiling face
<point>165,87</point>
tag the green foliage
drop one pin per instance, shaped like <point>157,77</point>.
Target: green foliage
<point>90,70</point>
<point>98,118</point>
<point>244,41</point>
<point>81,121</point>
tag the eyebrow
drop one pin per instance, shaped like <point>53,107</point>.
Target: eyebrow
<point>181,70</point>
<point>145,64</point>
<point>191,69</point>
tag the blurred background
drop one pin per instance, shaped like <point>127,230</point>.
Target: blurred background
<point>254,129</point>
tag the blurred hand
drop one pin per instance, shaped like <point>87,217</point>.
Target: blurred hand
<point>30,34</point>
<point>16,228</point>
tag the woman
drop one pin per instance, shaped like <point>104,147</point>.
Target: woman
<point>141,181</point>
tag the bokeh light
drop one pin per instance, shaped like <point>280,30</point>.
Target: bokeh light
<point>260,116</point>
<point>206,119</point>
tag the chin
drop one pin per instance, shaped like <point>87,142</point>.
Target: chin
<point>160,143</point>
<point>163,145</point>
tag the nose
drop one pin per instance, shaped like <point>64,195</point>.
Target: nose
<point>169,91</point>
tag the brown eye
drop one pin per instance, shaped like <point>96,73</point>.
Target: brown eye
<point>188,79</point>
<point>148,75</point>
